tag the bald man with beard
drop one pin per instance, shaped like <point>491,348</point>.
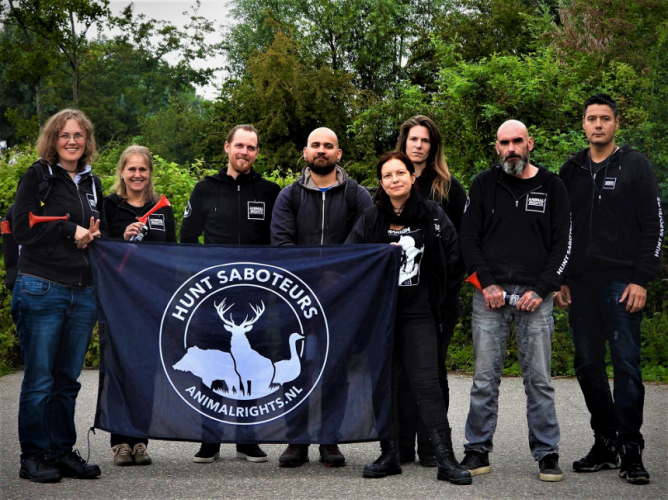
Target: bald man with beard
<point>320,208</point>
<point>515,235</point>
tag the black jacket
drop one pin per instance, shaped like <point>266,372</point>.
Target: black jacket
<point>322,217</point>
<point>230,211</point>
<point>618,237</point>
<point>453,206</point>
<point>522,240</point>
<point>447,286</point>
<point>48,249</point>
<point>120,214</point>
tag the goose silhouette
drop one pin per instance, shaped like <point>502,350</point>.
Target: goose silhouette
<point>289,369</point>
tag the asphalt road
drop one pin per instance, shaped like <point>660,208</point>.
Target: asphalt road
<point>514,473</point>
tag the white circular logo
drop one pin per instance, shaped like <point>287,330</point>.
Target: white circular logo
<point>244,343</point>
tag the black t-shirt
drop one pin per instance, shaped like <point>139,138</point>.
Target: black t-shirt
<point>519,186</point>
<point>413,300</point>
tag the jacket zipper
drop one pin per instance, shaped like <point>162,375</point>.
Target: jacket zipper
<point>322,229</point>
<point>239,211</point>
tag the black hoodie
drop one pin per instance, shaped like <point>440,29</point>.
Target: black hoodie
<point>619,235</point>
<point>517,232</point>
<point>120,214</point>
<point>230,211</point>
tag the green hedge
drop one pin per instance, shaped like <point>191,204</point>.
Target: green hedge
<point>177,182</point>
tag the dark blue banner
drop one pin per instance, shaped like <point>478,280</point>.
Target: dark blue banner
<point>245,344</point>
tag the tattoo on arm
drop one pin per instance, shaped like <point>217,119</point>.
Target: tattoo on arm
<point>534,295</point>
<point>493,289</point>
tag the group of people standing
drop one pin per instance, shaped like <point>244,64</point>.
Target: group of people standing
<point>591,236</point>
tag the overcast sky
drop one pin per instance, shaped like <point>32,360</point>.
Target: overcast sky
<point>172,11</point>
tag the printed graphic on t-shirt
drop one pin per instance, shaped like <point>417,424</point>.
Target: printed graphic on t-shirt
<point>187,211</point>
<point>156,222</point>
<point>536,202</point>
<point>91,201</point>
<point>610,183</point>
<point>256,210</point>
<point>412,246</point>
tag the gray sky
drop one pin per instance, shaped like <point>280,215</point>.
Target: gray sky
<point>172,11</point>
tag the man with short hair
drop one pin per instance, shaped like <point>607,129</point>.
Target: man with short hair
<point>232,207</point>
<point>320,208</point>
<point>617,238</point>
<point>515,235</point>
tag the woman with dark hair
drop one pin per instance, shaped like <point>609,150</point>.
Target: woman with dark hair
<point>430,267</point>
<point>421,140</point>
<point>132,196</point>
<point>53,304</point>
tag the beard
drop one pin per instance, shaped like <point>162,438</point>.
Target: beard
<point>322,169</point>
<point>515,168</point>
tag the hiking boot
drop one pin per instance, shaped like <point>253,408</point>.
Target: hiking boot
<point>632,468</point>
<point>38,469</point>
<point>207,453</point>
<point>427,460</point>
<point>122,454</point>
<point>476,462</point>
<point>549,468</point>
<point>602,455</point>
<point>140,455</point>
<point>72,465</point>
<point>387,464</point>
<point>331,456</point>
<point>295,455</point>
<point>251,452</point>
<point>448,467</point>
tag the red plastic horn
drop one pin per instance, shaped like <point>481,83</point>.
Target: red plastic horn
<point>473,279</point>
<point>6,227</point>
<point>37,219</point>
<point>163,202</point>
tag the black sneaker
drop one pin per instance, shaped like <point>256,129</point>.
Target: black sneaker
<point>72,465</point>
<point>251,452</point>
<point>207,453</point>
<point>38,469</point>
<point>295,455</point>
<point>331,456</point>
<point>632,468</point>
<point>476,462</point>
<point>549,468</point>
<point>602,455</point>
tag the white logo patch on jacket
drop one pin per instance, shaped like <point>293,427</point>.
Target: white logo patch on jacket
<point>91,201</point>
<point>156,222</point>
<point>536,202</point>
<point>610,183</point>
<point>256,210</point>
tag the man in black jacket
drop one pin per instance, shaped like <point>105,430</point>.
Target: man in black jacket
<point>617,238</point>
<point>232,207</point>
<point>319,209</point>
<point>516,236</point>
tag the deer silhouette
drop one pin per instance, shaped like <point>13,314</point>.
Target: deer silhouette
<point>255,371</point>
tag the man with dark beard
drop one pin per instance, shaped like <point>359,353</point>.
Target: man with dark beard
<point>320,208</point>
<point>515,235</point>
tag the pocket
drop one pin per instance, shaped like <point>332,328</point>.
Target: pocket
<point>32,285</point>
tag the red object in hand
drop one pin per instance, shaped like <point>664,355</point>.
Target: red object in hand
<point>163,202</point>
<point>473,279</point>
<point>6,227</point>
<point>37,219</point>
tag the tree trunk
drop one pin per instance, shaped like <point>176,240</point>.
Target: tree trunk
<point>75,64</point>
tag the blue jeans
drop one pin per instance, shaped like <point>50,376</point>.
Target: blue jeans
<point>596,316</point>
<point>54,324</point>
<point>534,341</point>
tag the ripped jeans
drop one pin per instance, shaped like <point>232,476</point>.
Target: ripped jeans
<point>534,341</point>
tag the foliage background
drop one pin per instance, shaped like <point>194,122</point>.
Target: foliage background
<point>360,67</point>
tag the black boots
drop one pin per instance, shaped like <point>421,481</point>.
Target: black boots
<point>388,463</point>
<point>448,467</point>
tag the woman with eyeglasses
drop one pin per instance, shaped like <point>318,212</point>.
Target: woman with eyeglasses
<point>52,303</point>
<point>430,269</point>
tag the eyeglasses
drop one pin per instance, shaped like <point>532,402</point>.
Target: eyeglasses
<point>69,137</point>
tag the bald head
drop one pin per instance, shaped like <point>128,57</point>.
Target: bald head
<point>513,145</point>
<point>323,133</point>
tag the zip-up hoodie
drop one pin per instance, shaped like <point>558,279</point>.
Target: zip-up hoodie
<point>120,214</point>
<point>48,249</point>
<point>618,235</point>
<point>520,239</point>
<point>230,211</point>
<point>322,217</point>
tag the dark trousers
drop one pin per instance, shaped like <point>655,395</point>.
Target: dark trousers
<point>410,422</point>
<point>597,317</point>
<point>120,439</point>
<point>416,354</point>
